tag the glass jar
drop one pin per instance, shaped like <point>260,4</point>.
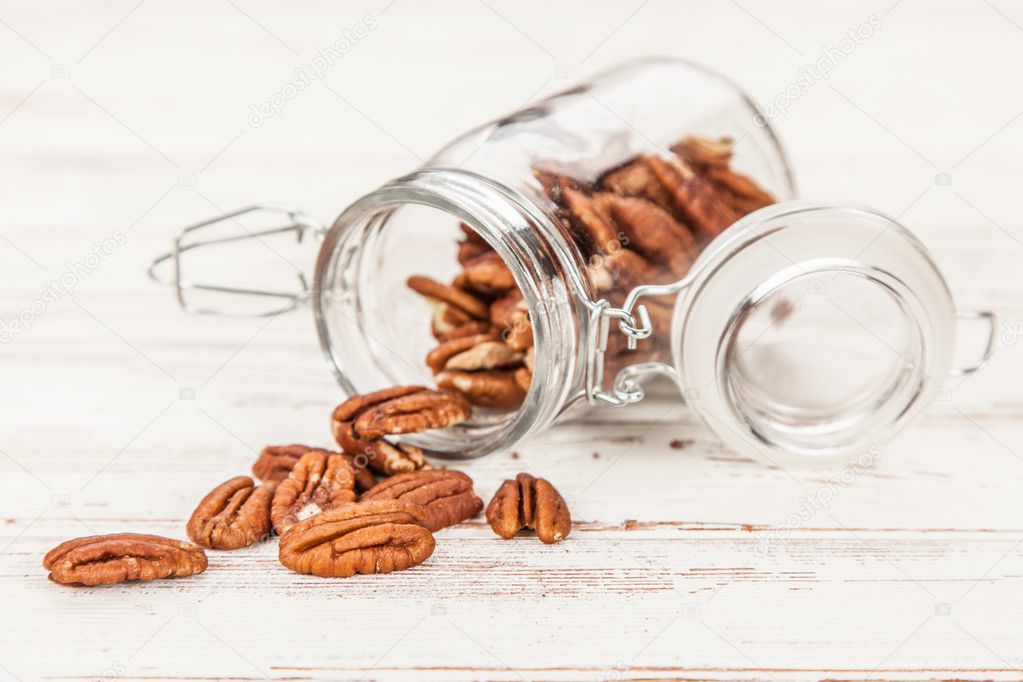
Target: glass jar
<point>639,224</point>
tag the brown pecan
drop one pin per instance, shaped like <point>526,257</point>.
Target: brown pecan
<point>470,250</point>
<point>519,334</point>
<point>652,232</point>
<point>447,496</point>
<point>411,413</point>
<point>529,502</point>
<point>695,199</point>
<point>387,458</point>
<point>233,515</point>
<point>379,536</point>
<point>319,481</point>
<point>488,273</point>
<point>344,416</point>
<point>524,377</point>
<point>109,559</point>
<point>485,355</point>
<point>494,388</point>
<point>446,293</point>
<point>277,461</point>
<point>636,179</point>
<point>703,152</point>
<point>502,309</point>
<point>470,328</point>
<point>591,219</point>
<point>438,358</point>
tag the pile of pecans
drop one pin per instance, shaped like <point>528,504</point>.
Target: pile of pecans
<point>335,518</point>
<point>643,222</point>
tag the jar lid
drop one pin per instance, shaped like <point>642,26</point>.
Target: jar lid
<point>813,329</point>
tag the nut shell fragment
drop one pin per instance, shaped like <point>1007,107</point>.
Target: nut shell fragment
<point>110,559</point>
<point>378,536</point>
<point>233,515</point>
<point>529,502</point>
<point>447,496</point>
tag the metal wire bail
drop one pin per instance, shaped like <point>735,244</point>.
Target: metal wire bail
<point>297,222</point>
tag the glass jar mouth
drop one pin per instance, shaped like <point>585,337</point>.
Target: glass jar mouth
<point>342,289</point>
<point>813,329</point>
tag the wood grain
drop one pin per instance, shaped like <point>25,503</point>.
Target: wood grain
<point>118,412</point>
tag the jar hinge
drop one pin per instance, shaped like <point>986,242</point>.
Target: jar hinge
<point>626,388</point>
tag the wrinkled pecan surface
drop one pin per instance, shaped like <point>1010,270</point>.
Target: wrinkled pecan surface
<point>529,502</point>
<point>447,496</point>
<point>319,481</point>
<point>277,461</point>
<point>343,420</point>
<point>233,515</point>
<point>494,388</point>
<point>378,536</point>
<point>388,458</point>
<point>109,559</point>
<point>412,413</point>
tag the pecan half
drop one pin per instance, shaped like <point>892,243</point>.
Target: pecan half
<point>519,334</point>
<point>447,496</point>
<point>368,537</point>
<point>446,293</point>
<point>345,414</point>
<point>412,413</point>
<point>591,219</point>
<point>494,388</point>
<point>470,328</point>
<point>488,273</point>
<point>695,199</point>
<point>388,459</point>
<point>654,233</point>
<point>109,559</point>
<point>319,481</point>
<point>277,461</point>
<point>486,355</point>
<point>233,515</point>
<point>529,502</point>
<point>438,358</point>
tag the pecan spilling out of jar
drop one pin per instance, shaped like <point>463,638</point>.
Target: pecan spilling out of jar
<point>276,462</point>
<point>110,559</point>
<point>361,423</point>
<point>378,536</point>
<point>447,496</point>
<point>233,515</point>
<point>529,502</point>
<point>319,481</point>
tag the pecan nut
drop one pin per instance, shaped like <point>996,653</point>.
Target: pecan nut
<point>388,459</point>
<point>486,355</point>
<point>412,413</point>
<point>319,481</point>
<point>447,496</point>
<point>494,388</point>
<point>446,293</point>
<point>233,515</point>
<point>438,358</point>
<point>378,536</point>
<point>529,502</point>
<point>109,559</point>
<point>345,414</point>
<point>488,274</point>
<point>277,461</point>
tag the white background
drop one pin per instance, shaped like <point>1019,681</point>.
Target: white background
<point>117,412</point>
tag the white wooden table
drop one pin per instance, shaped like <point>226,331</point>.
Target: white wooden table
<point>117,411</point>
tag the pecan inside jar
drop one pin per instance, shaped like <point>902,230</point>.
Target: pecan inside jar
<point>378,536</point>
<point>110,559</point>
<point>529,502</point>
<point>320,481</point>
<point>412,413</point>
<point>233,515</point>
<point>447,496</point>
